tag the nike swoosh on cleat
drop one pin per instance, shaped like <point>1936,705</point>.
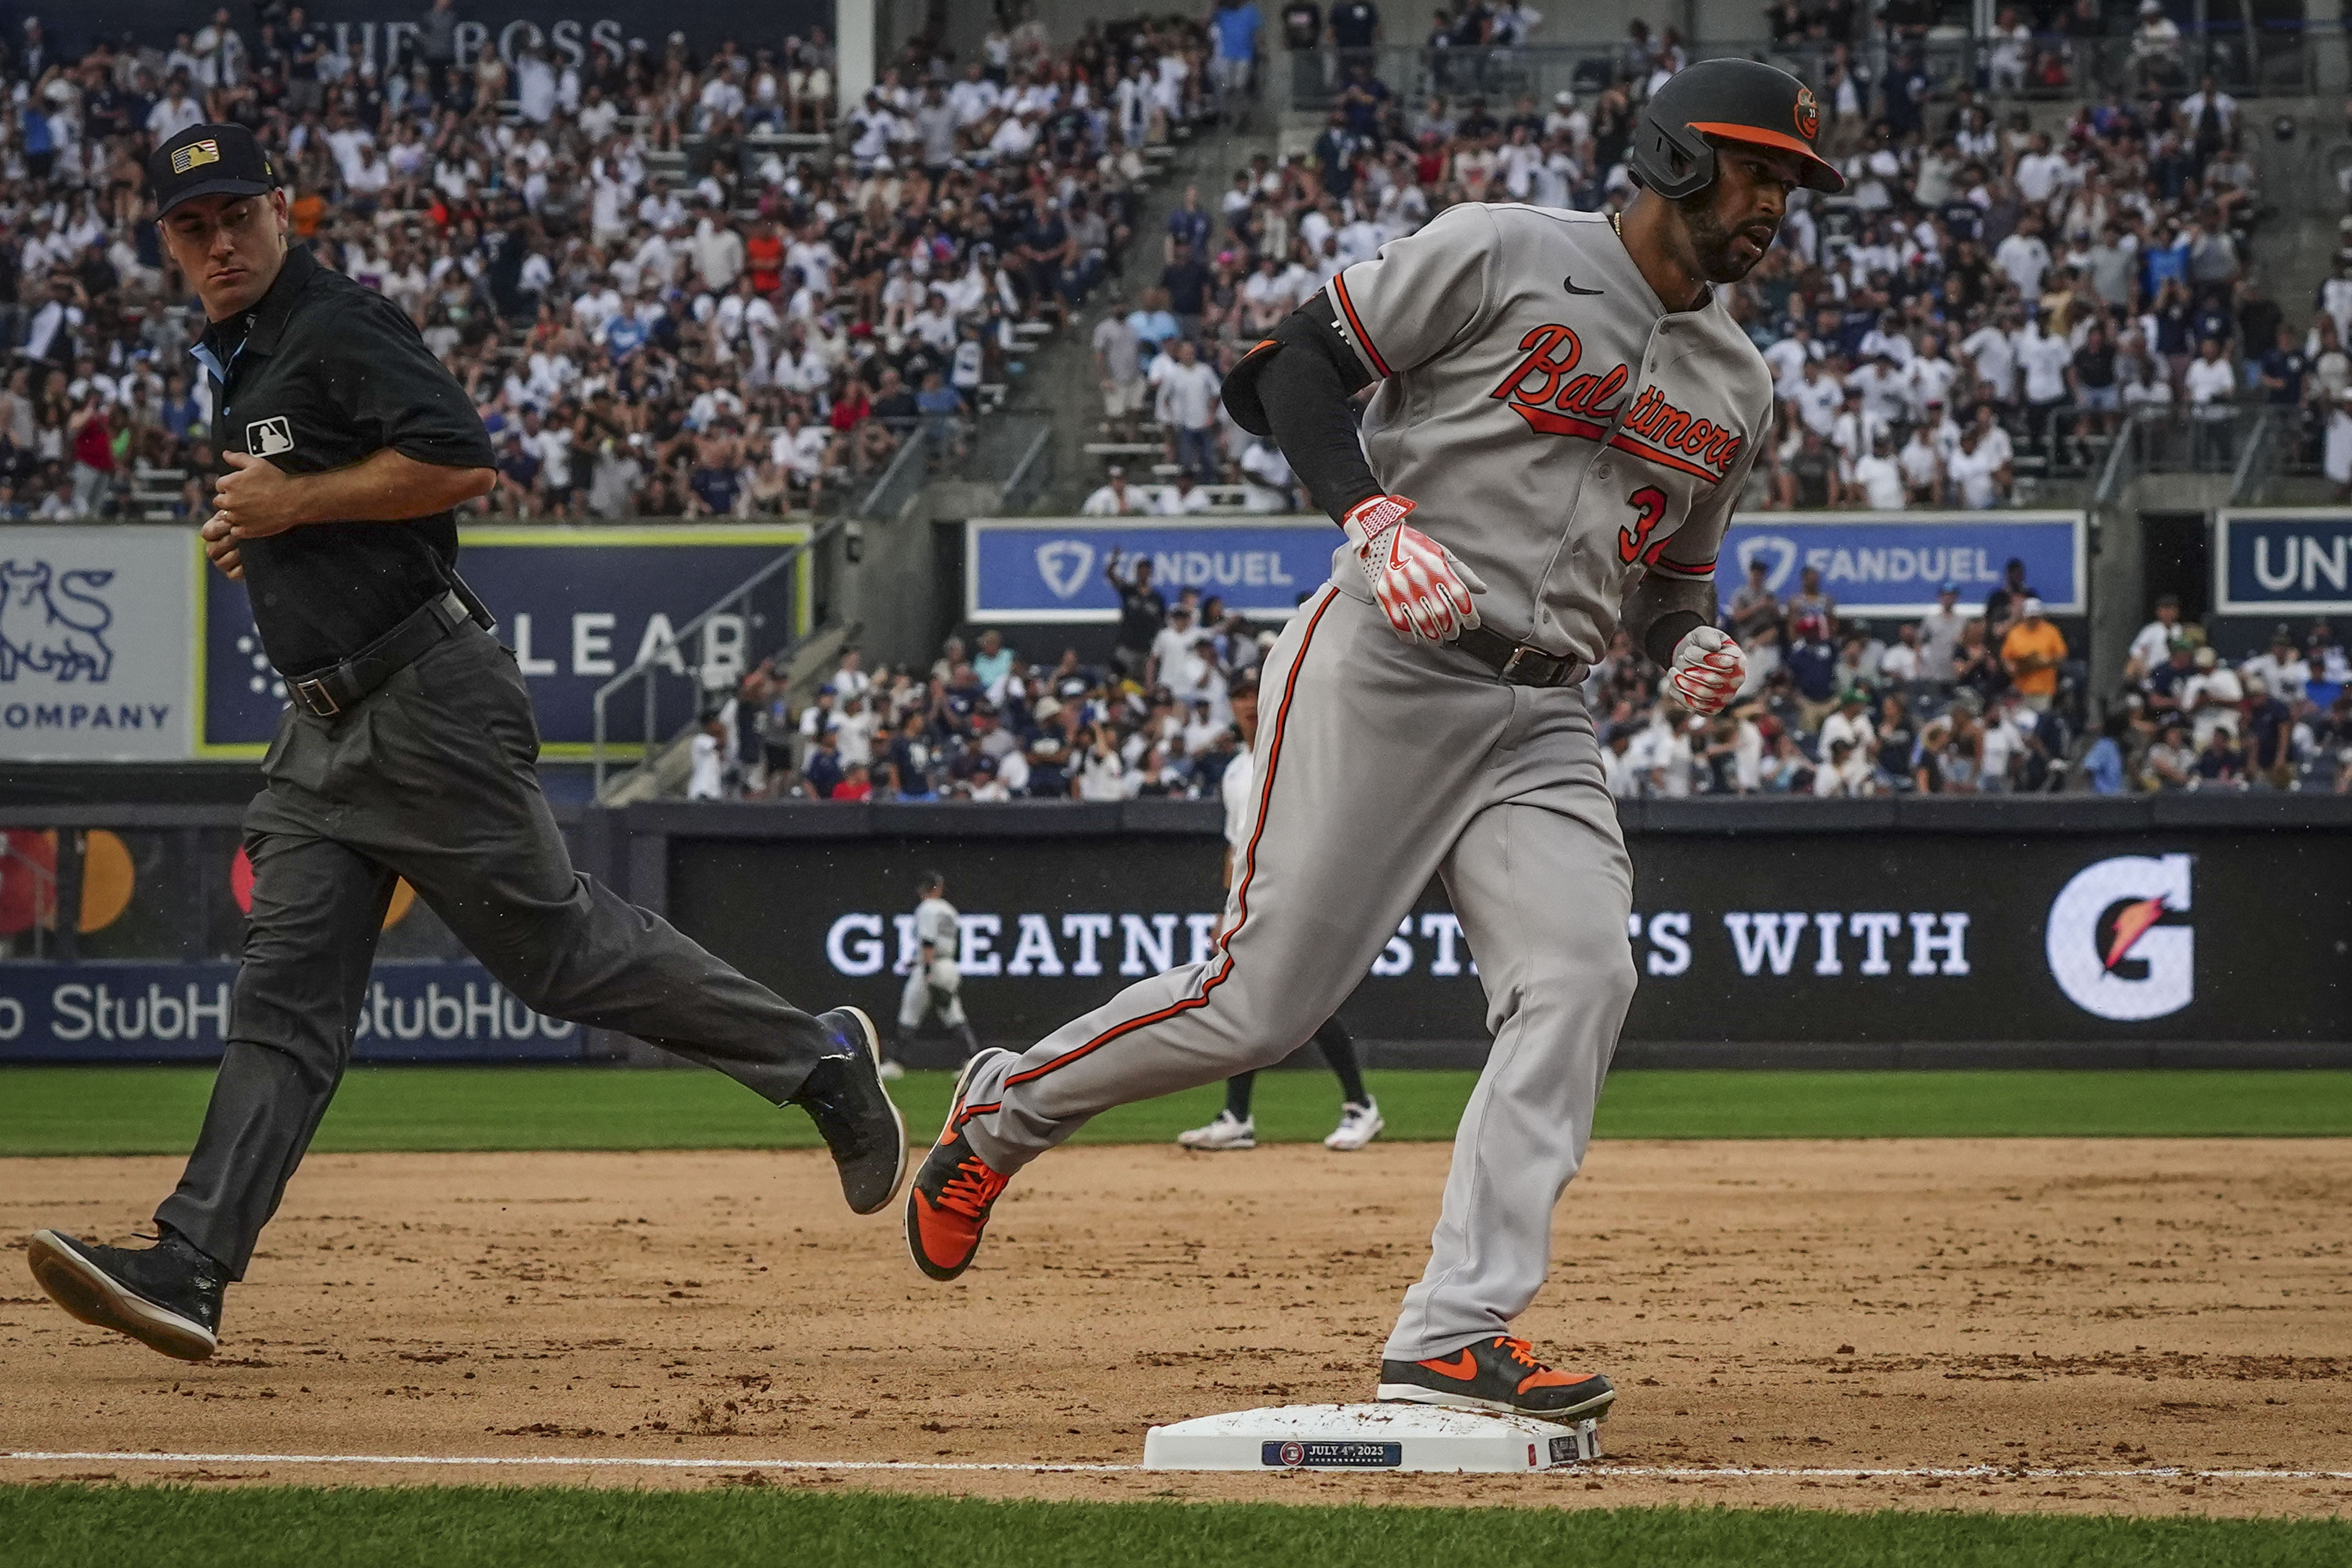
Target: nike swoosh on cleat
<point>1466,1367</point>
<point>1569,283</point>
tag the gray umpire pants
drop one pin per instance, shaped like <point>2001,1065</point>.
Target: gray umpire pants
<point>1382,765</point>
<point>433,778</point>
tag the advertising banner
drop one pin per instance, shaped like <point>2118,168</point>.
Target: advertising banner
<point>366,30</point>
<point>578,605</point>
<point>2286,561</point>
<point>1054,569</point>
<point>94,626</point>
<point>414,1010</point>
<point>1892,563</point>
<point>1855,938</point>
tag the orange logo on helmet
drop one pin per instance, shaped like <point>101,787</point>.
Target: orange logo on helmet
<point>1809,114</point>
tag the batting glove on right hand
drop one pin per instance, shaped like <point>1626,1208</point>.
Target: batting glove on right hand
<point>1421,586</point>
<point>1708,670</point>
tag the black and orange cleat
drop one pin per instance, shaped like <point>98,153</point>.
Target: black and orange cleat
<point>1501,1374</point>
<point>953,1189</point>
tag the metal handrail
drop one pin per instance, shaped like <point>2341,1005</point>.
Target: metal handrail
<point>914,450</point>
<point>2122,465</point>
<point>642,671</point>
<point>2255,467</point>
<point>1019,487</point>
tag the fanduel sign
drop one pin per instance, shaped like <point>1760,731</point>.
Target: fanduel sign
<point>1056,569</point>
<point>1892,563</point>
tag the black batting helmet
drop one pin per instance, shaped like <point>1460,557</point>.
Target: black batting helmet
<point>1734,100</point>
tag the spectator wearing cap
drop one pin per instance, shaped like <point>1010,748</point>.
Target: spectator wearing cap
<point>1811,663</point>
<point>1115,497</point>
<point>1850,724</point>
<point>2000,608</point>
<point>2032,650</point>
<point>2281,668</point>
<point>1920,465</point>
<point>2213,696</point>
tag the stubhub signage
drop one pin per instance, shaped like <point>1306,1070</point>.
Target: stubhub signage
<point>1892,563</point>
<point>413,1010</point>
<point>1057,569</point>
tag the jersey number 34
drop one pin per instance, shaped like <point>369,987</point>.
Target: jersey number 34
<point>1649,504</point>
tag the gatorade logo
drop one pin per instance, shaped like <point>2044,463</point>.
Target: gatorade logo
<point>2118,938</point>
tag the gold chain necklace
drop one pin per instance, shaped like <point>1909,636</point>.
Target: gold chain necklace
<point>1615,226</point>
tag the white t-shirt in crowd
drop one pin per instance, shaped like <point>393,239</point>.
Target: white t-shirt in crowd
<point>704,781</point>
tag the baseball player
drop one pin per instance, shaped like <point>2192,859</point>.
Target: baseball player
<point>935,982</point>
<point>1564,416</point>
<point>1234,1127</point>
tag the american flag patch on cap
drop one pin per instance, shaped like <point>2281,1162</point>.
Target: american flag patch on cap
<point>194,155</point>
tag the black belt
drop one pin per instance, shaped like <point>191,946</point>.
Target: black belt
<point>340,688</point>
<point>1516,662</point>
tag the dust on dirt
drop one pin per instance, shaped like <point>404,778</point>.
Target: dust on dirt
<point>2029,1305</point>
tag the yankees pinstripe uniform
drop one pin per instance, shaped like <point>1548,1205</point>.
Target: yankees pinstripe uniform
<point>935,980</point>
<point>1574,448</point>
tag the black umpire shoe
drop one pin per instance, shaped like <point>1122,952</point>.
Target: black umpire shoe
<point>844,1096</point>
<point>167,1296</point>
<point>1500,1373</point>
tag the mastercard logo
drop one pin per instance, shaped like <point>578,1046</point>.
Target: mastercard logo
<point>240,888</point>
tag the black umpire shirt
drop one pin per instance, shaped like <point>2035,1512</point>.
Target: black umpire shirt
<point>320,373</point>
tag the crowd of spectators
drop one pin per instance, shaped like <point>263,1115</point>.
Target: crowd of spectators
<point>676,283</point>
<point>1989,295</point>
<point>984,723</point>
<point>1967,700</point>
<point>2191,719</point>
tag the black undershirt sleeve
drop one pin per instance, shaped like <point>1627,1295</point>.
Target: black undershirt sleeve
<point>1305,388</point>
<point>1667,631</point>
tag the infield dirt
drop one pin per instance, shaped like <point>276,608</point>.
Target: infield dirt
<point>2110,1305</point>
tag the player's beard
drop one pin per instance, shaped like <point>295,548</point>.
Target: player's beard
<point>1715,245</point>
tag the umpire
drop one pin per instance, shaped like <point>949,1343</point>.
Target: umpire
<point>409,750</point>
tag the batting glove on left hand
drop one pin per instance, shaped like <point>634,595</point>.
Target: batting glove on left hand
<point>1422,588</point>
<point>1708,670</point>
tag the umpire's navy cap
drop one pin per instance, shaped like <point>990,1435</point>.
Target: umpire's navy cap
<point>208,160</point>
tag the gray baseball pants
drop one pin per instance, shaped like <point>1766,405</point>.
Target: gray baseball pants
<point>1380,765</point>
<point>434,778</point>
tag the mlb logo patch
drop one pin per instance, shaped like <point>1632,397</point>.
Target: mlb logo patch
<point>194,155</point>
<point>268,438</point>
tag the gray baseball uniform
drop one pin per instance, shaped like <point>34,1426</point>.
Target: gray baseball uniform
<point>939,986</point>
<point>1574,443</point>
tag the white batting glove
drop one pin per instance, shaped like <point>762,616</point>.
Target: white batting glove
<point>1708,670</point>
<point>1422,588</point>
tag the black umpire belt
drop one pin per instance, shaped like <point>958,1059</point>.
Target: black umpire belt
<point>338,688</point>
<point>1516,662</point>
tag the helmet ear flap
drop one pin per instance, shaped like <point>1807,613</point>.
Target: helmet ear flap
<point>1673,160</point>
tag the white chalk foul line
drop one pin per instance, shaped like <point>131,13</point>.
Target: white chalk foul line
<point>1651,1472</point>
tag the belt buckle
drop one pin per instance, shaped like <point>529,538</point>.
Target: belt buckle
<point>312,694</point>
<point>1511,664</point>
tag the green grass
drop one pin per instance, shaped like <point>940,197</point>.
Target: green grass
<point>69,1527</point>
<point>154,1110</point>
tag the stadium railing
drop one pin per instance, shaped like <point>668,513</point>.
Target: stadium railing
<point>2283,59</point>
